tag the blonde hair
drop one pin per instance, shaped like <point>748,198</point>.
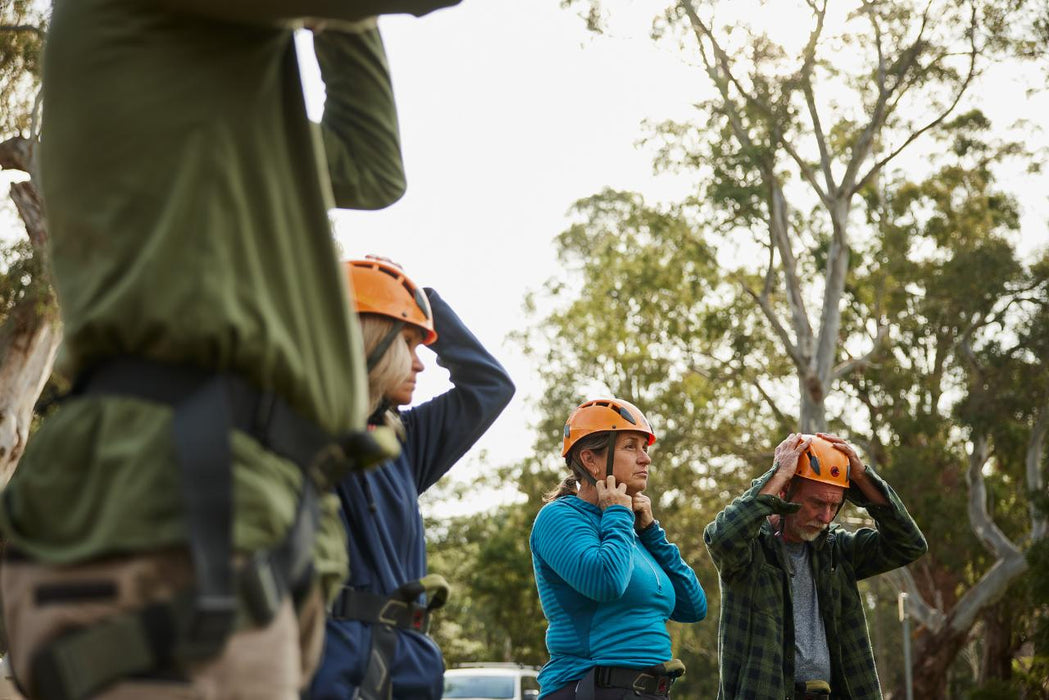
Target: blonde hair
<point>395,365</point>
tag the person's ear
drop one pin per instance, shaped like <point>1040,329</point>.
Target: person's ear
<point>589,460</point>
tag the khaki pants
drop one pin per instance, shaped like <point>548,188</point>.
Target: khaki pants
<point>39,603</point>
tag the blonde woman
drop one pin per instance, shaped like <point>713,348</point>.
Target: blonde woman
<point>376,646</point>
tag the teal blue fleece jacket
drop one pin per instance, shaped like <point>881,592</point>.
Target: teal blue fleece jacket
<point>606,590</point>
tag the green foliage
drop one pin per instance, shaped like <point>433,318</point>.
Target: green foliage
<point>657,303</point>
<point>22,28</point>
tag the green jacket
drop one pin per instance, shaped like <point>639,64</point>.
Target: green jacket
<point>756,631</point>
<point>187,196</point>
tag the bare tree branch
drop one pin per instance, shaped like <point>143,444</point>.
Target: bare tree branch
<point>770,314</point>
<point>857,363</point>
<point>929,616</point>
<point>22,28</point>
<point>701,30</point>
<point>983,526</point>
<point>810,97</point>
<point>861,149</point>
<point>962,89</point>
<point>31,208</point>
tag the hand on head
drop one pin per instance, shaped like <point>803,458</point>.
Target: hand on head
<point>788,452</point>
<point>857,469</point>
<point>609,493</point>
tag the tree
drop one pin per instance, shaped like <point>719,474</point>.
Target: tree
<point>800,158</point>
<point>29,331</point>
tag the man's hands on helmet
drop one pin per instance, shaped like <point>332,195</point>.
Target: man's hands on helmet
<point>788,452</point>
<point>642,506</point>
<point>857,469</point>
<point>609,493</point>
<point>786,462</point>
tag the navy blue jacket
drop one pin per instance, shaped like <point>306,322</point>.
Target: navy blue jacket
<point>380,509</point>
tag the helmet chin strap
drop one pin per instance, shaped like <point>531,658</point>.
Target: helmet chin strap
<point>384,344</point>
<point>610,461</point>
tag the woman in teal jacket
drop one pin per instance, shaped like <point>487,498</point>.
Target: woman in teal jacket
<point>608,579</point>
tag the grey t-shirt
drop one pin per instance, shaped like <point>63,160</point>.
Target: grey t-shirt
<point>811,655</point>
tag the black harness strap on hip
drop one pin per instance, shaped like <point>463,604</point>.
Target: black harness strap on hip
<point>386,615</point>
<point>655,680</point>
<point>196,623</point>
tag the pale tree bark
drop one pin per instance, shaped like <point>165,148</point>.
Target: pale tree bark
<point>947,632</point>
<point>814,349</point>
<point>30,334</point>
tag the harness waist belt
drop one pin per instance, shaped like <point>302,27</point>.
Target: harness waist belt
<point>386,615</point>
<point>196,624</point>
<point>375,609</point>
<point>652,681</point>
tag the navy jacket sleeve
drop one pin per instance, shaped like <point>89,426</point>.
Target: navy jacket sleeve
<point>441,430</point>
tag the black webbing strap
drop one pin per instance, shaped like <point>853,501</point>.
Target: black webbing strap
<point>610,460</point>
<point>386,615</point>
<point>200,431</point>
<point>654,680</point>
<point>197,622</point>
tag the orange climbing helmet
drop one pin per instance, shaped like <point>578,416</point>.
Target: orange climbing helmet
<point>823,462</point>
<point>381,287</point>
<point>602,415</point>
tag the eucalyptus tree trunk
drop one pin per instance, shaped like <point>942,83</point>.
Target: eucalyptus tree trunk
<point>942,634</point>
<point>30,334</point>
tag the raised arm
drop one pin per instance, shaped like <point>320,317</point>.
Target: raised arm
<point>441,430</point>
<point>733,535</point>
<point>287,11</point>
<point>896,542</point>
<point>595,561</point>
<point>359,127</point>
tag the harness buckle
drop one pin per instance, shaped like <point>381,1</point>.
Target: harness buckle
<point>389,613</point>
<point>261,588</point>
<point>643,682</point>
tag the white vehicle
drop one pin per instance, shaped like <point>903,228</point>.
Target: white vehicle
<point>491,681</point>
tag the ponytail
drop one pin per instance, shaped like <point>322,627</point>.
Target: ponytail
<point>569,486</point>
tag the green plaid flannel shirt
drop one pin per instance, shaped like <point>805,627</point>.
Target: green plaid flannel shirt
<point>756,631</point>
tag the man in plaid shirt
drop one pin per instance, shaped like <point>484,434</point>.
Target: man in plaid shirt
<point>792,623</point>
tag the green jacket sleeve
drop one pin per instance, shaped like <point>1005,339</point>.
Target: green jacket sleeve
<point>896,542</point>
<point>733,535</point>
<point>359,127</point>
<point>284,11</point>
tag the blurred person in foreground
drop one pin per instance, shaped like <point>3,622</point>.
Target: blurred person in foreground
<point>166,530</point>
<point>376,642</point>
<point>792,621</point>
<point>608,578</point>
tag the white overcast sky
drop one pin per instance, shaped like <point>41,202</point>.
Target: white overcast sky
<point>510,111</point>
